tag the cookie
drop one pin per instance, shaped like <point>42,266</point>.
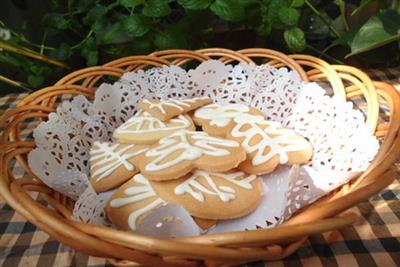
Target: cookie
<point>215,196</point>
<point>267,144</point>
<point>205,224</point>
<point>183,151</point>
<point>111,164</point>
<point>132,202</point>
<point>167,109</point>
<point>215,119</point>
<point>144,129</point>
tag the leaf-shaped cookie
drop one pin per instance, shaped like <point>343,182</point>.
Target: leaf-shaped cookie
<point>268,144</point>
<point>111,164</point>
<point>181,152</point>
<point>167,109</point>
<point>213,195</point>
<point>144,129</point>
<point>216,119</point>
<point>132,202</point>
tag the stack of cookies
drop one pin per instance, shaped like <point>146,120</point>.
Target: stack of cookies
<point>205,157</point>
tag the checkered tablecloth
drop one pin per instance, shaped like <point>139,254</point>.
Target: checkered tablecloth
<point>374,241</point>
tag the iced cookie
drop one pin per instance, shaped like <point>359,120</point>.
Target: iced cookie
<point>167,109</point>
<point>111,164</point>
<point>205,224</point>
<point>268,144</point>
<point>132,202</point>
<point>213,195</point>
<point>144,129</point>
<point>183,151</point>
<point>215,119</point>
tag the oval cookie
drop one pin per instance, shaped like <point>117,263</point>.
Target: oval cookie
<point>132,202</point>
<point>216,119</point>
<point>144,129</point>
<point>268,144</point>
<point>213,196</point>
<point>111,164</point>
<point>183,151</point>
<point>167,109</point>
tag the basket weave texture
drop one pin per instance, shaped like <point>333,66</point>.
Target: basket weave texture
<point>128,248</point>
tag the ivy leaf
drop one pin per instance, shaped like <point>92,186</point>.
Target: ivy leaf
<point>155,9</point>
<point>35,80</point>
<point>95,14</point>
<point>289,16</point>
<point>55,20</point>
<point>130,3</point>
<point>135,25</point>
<point>297,3</point>
<point>246,3</point>
<point>376,32</point>
<point>295,39</point>
<point>228,10</point>
<point>194,4</point>
<point>62,52</point>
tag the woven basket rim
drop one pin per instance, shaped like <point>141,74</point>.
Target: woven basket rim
<point>266,244</point>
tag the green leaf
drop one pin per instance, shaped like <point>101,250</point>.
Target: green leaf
<point>55,20</point>
<point>295,39</point>
<point>289,16</point>
<point>376,32</point>
<point>155,9</point>
<point>246,3</point>
<point>195,4</point>
<point>270,10</point>
<point>84,4</point>
<point>95,14</point>
<point>170,39</point>
<point>362,5</point>
<point>264,29</point>
<point>297,3</point>
<point>92,58</point>
<point>130,3</point>
<point>62,52</point>
<point>135,25</point>
<point>112,34</point>
<point>228,10</point>
<point>35,80</point>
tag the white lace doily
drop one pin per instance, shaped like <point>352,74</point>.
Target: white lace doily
<point>343,145</point>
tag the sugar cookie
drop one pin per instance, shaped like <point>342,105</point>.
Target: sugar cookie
<point>181,152</point>
<point>205,224</point>
<point>132,202</point>
<point>268,144</point>
<point>167,109</point>
<point>216,119</point>
<point>144,129</point>
<point>213,195</point>
<point>111,164</point>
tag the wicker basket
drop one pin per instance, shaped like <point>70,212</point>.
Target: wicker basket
<point>128,248</point>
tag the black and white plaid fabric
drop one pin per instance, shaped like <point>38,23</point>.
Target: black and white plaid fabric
<point>374,241</point>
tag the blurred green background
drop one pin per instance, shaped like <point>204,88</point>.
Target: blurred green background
<point>43,40</point>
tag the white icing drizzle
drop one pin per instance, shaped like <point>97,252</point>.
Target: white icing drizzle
<point>274,138</point>
<point>137,124</point>
<point>219,115</point>
<point>203,144</point>
<point>110,158</point>
<point>136,194</point>
<point>176,103</point>
<point>225,193</point>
